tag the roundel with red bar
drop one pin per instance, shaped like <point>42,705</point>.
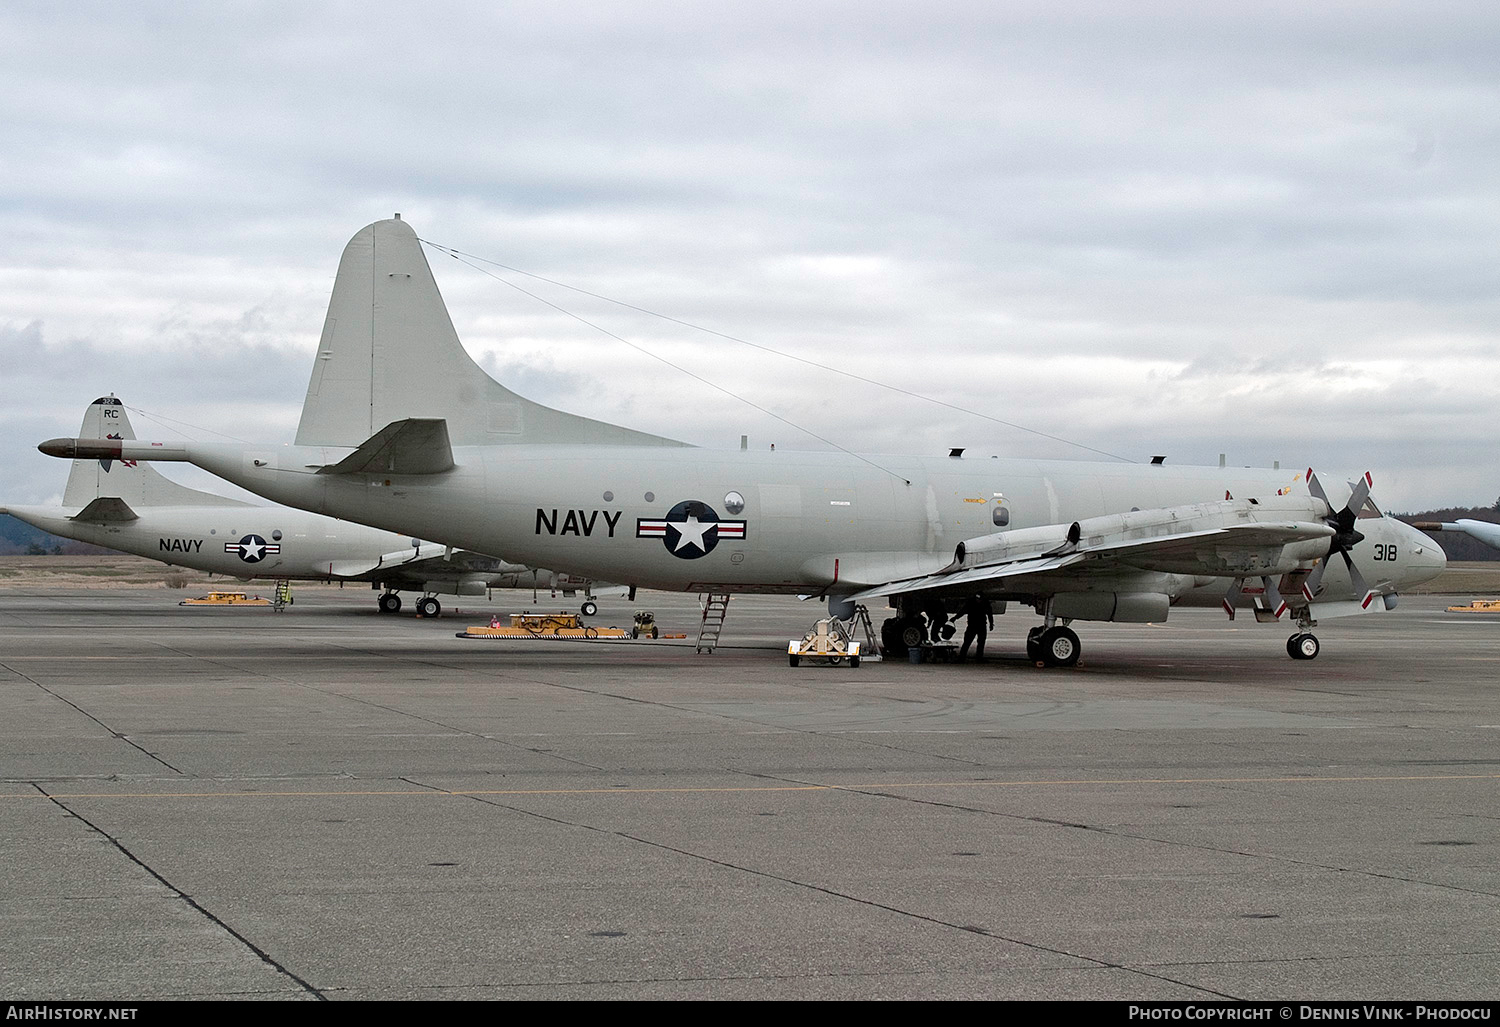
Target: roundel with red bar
<point>690,530</point>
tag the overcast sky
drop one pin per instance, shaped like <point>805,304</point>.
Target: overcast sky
<point>1268,230</point>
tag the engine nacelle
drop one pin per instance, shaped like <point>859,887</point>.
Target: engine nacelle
<point>1219,554</point>
<point>1128,607</point>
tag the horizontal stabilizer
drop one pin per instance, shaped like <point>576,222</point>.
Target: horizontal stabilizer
<point>417,445</point>
<point>427,553</point>
<point>106,510</point>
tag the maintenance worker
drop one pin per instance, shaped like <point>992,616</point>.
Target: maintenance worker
<point>981,619</point>
<point>937,617</point>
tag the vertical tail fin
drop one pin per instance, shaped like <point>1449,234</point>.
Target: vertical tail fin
<point>138,485</point>
<point>389,352</point>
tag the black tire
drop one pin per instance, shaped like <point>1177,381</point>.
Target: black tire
<point>1034,645</point>
<point>389,602</point>
<point>890,639</point>
<point>853,662</point>
<point>655,633</point>
<point>1060,647</point>
<point>635,632</point>
<point>590,607</point>
<point>835,660</point>
<point>912,634</point>
<point>794,660</point>
<point>427,606</point>
<point>1303,646</point>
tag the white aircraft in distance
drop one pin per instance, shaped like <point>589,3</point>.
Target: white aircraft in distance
<point>401,429</point>
<point>132,508</point>
<point>1484,531</point>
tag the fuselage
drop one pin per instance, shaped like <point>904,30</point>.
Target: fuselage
<point>274,543</point>
<point>782,521</point>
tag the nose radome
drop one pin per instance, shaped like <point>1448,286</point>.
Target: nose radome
<point>1428,558</point>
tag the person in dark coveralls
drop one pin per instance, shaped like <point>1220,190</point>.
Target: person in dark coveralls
<point>980,621</point>
<point>937,616</point>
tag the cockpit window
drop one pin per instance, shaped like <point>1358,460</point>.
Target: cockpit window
<point>1368,510</point>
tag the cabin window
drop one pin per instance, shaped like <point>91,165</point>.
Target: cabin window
<point>734,502</point>
<point>1000,515</point>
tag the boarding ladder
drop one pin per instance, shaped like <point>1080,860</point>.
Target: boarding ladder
<point>283,595</point>
<point>715,607</point>
<point>862,621</point>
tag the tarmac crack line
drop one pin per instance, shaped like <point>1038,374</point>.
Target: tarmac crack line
<point>715,979</point>
<point>80,710</point>
<point>1352,957</point>
<point>261,953</point>
<point>1112,833</point>
<point>391,709</point>
<point>720,715</point>
<point>598,693</point>
<point>835,893</point>
<point>457,730</point>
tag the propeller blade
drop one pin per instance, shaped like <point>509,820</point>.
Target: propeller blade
<point>1316,488</point>
<point>1233,594</point>
<point>1274,602</point>
<point>1355,578</point>
<point>1310,586</point>
<point>1360,491</point>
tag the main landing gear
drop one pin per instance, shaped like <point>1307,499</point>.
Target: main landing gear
<point>427,606</point>
<point>1057,646</point>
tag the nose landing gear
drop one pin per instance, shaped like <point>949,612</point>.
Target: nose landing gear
<point>1303,646</point>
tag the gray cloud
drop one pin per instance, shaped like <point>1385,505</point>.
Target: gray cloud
<point>1166,227</point>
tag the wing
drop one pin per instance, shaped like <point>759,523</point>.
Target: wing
<point>1233,538</point>
<point>428,558</point>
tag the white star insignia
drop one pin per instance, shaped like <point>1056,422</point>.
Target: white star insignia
<point>691,531</point>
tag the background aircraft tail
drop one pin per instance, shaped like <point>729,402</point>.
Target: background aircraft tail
<point>389,352</point>
<point>138,485</point>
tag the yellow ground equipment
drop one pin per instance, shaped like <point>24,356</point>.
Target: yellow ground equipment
<point>226,599</point>
<point>1478,606</point>
<point>829,640</point>
<point>541,625</point>
<point>645,624</point>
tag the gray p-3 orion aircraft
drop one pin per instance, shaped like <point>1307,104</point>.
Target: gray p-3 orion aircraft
<point>132,508</point>
<point>403,430</point>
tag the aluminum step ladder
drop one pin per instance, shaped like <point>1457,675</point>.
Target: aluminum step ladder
<point>872,650</point>
<point>715,608</point>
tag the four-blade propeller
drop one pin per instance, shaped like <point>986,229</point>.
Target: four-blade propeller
<point>1345,537</point>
